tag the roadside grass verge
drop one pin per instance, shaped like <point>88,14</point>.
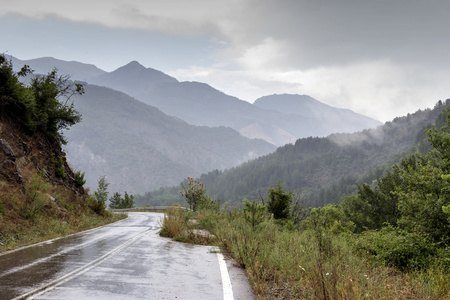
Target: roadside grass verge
<point>42,211</point>
<point>287,263</point>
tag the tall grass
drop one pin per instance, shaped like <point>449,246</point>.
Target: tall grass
<point>40,211</point>
<point>283,263</point>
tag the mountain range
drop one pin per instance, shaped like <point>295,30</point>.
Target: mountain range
<point>145,129</point>
<point>200,104</point>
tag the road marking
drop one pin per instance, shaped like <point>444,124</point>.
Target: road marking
<point>226,282</point>
<point>57,282</point>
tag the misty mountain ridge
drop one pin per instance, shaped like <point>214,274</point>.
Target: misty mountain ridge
<point>139,147</point>
<point>200,104</point>
<point>133,79</point>
<point>323,169</point>
<point>76,70</point>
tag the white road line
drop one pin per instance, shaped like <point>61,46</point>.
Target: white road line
<point>54,283</point>
<point>226,282</point>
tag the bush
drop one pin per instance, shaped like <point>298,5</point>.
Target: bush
<point>79,179</point>
<point>59,170</point>
<point>279,201</point>
<point>43,106</point>
<point>196,197</point>
<point>406,251</point>
<point>100,196</point>
<point>254,213</point>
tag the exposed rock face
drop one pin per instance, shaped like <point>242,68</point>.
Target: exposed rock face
<point>6,149</point>
<point>10,172</point>
<point>8,168</point>
<point>22,155</point>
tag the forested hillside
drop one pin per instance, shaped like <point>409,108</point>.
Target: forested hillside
<point>322,169</point>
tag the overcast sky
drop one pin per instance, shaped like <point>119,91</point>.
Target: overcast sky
<point>381,58</point>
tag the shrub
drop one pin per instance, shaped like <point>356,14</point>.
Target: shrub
<point>79,179</point>
<point>406,251</point>
<point>279,201</point>
<point>59,168</point>
<point>254,213</point>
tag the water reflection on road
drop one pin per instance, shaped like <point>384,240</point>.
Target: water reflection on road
<point>125,260</point>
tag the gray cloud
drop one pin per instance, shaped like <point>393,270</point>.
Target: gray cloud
<point>378,57</point>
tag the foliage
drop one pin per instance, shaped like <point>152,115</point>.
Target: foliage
<point>330,218</point>
<point>374,207</point>
<point>59,168</point>
<point>279,201</point>
<point>117,202</point>
<point>100,196</point>
<point>43,106</point>
<point>254,213</point>
<point>325,169</point>
<point>53,112</point>
<point>195,194</point>
<point>406,212</point>
<point>284,264</point>
<point>79,179</point>
<point>399,248</point>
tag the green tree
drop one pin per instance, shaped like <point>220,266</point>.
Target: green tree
<point>79,179</point>
<point>421,197</point>
<point>127,201</point>
<point>374,207</point>
<point>194,191</point>
<point>53,112</point>
<point>115,200</point>
<point>279,201</point>
<point>44,105</point>
<point>59,168</point>
<point>254,212</point>
<point>100,196</point>
<point>413,196</point>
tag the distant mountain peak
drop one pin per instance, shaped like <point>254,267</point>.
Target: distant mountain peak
<point>133,65</point>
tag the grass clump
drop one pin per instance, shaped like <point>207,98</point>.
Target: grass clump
<point>40,211</point>
<point>319,260</point>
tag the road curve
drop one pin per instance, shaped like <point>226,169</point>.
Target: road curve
<point>124,260</point>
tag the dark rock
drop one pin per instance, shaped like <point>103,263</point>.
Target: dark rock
<point>10,171</point>
<point>6,149</point>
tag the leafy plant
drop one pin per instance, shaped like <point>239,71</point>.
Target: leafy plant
<point>279,201</point>
<point>59,168</point>
<point>195,194</point>
<point>401,249</point>
<point>79,179</point>
<point>254,213</point>
<point>100,196</point>
<point>43,106</point>
<point>117,202</point>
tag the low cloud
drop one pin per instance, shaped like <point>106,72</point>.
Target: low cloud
<point>380,58</point>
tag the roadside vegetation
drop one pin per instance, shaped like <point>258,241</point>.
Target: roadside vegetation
<point>41,211</point>
<point>390,240</point>
<point>40,196</point>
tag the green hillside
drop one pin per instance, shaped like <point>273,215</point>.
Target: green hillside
<point>322,169</point>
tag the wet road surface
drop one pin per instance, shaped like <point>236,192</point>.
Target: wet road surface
<point>124,260</point>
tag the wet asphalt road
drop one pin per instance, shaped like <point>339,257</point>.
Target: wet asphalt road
<point>125,260</point>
